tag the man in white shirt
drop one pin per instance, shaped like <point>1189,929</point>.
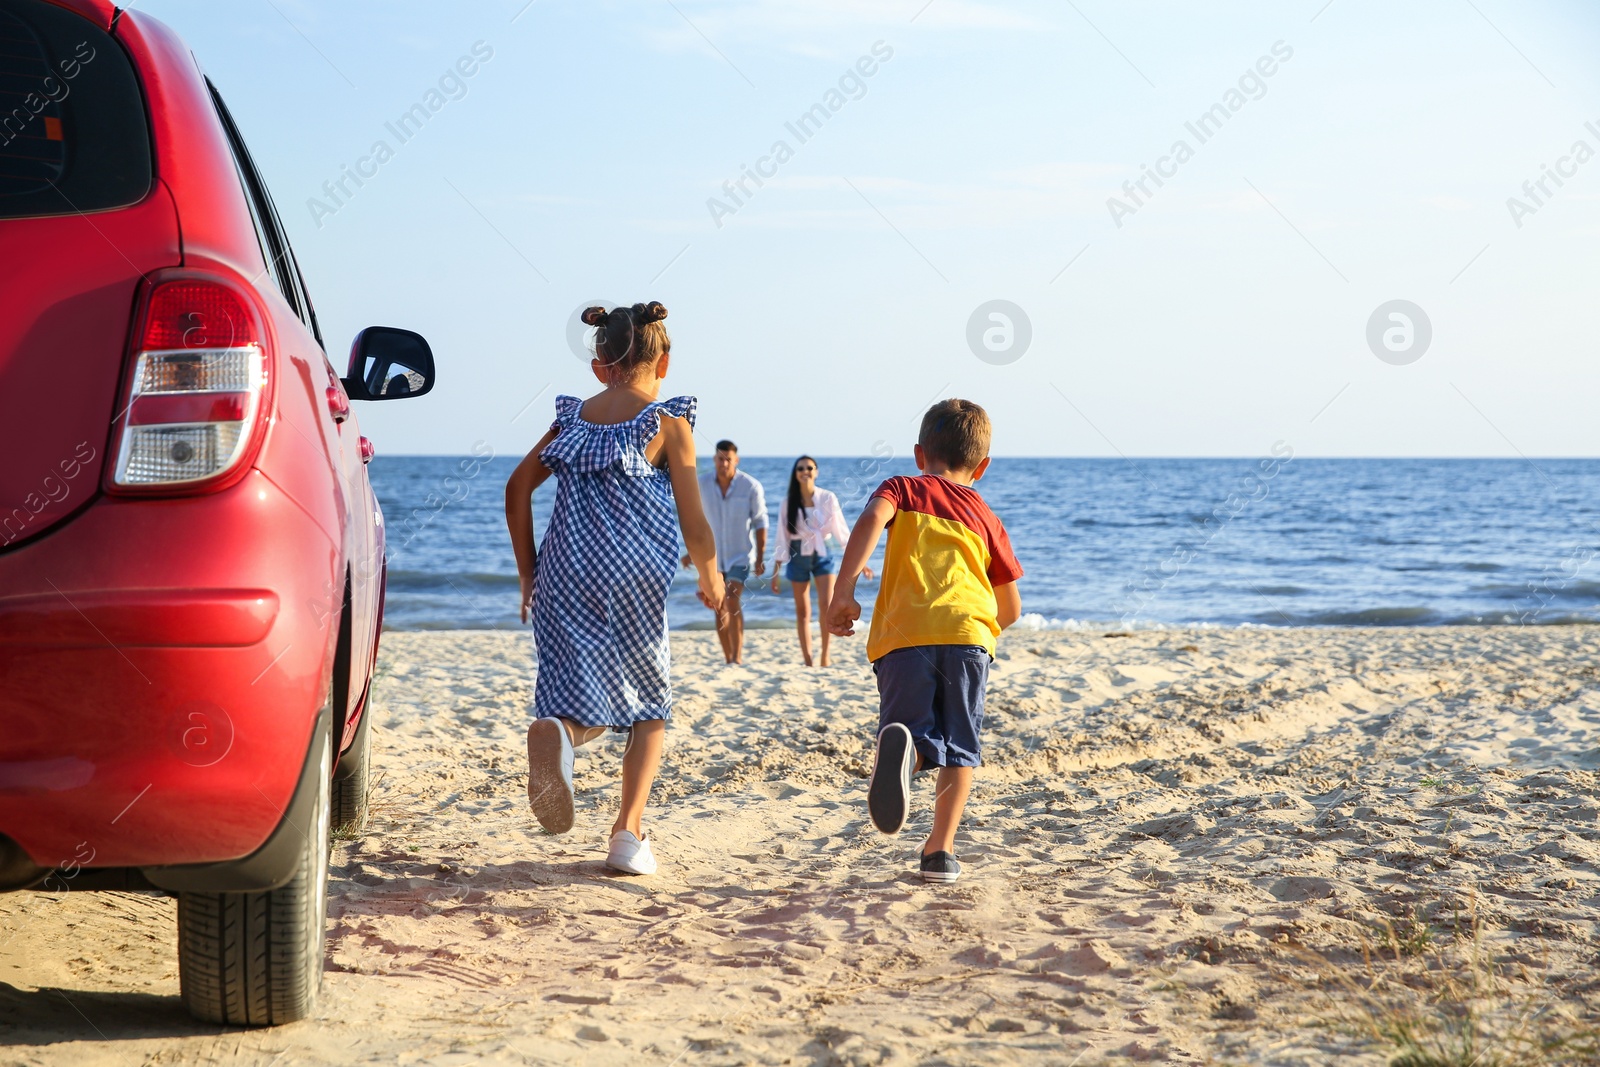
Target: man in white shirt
<point>736,506</point>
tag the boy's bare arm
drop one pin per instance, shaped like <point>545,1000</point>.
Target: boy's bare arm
<point>1009,600</point>
<point>529,475</point>
<point>841,612</point>
<point>678,441</point>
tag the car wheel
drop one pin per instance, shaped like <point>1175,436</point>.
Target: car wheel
<point>255,959</point>
<point>352,780</point>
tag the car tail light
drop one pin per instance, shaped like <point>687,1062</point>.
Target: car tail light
<point>197,386</point>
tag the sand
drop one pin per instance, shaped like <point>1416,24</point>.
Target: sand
<point>1171,830</point>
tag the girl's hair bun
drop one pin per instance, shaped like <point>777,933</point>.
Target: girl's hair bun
<point>629,337</point>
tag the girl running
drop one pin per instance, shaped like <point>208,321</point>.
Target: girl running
<point>624,461</point>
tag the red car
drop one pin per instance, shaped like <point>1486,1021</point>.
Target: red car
<point>191,557</point>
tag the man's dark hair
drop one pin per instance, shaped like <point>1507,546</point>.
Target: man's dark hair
<point>727,446</point>
<point>956,433</point>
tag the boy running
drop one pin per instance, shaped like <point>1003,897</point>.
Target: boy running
<point>948,589</point>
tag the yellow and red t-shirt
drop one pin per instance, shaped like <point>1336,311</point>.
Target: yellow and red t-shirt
<point>946,553</point>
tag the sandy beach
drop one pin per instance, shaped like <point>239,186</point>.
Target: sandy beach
<point>1180,848</point>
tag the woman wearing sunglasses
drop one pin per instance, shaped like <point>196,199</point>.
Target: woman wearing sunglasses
<point>810,516</point>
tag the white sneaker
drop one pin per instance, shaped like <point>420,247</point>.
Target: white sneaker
<point>630,855</point>
<point>550,775</point>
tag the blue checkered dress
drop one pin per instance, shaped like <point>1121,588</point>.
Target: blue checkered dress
<point>600,601</point>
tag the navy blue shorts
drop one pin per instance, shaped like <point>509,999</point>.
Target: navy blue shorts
<point>936,692</point>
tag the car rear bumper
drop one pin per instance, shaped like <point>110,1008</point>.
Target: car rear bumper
<point>268,867</point>
<point>163,664</point>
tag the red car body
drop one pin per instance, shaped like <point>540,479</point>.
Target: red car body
<point>167,650</point>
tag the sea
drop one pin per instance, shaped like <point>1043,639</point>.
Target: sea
<point>1115,544</point>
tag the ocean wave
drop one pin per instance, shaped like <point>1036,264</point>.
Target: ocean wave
<point>406,581</point>
<point>1417,615</point>
<point>1553,586</point>
<point>1443,566</point>
<point>1111,525</point>
<point>1034,621</point>
<point>1399,615</point>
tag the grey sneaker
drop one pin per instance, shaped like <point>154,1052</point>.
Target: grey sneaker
<point>550,775</point>
<point>940,867</point>
<point>889,795</point>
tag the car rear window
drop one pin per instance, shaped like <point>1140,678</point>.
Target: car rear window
<point>72,125</point>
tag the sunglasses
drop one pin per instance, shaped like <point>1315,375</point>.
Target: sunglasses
<point>804,470</point>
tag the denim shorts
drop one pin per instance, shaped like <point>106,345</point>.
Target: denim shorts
<point>739,572</point>
<point>801,569</point>
<point>936,692</point>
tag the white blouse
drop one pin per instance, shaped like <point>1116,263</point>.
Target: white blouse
<point>815,523</point>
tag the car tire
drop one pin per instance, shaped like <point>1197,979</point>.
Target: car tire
<point>352,780</point>
<point>256,959</point>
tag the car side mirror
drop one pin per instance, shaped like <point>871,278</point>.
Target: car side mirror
<point>387,363</point>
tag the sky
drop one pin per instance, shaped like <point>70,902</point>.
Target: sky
<point>1317,162</point>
